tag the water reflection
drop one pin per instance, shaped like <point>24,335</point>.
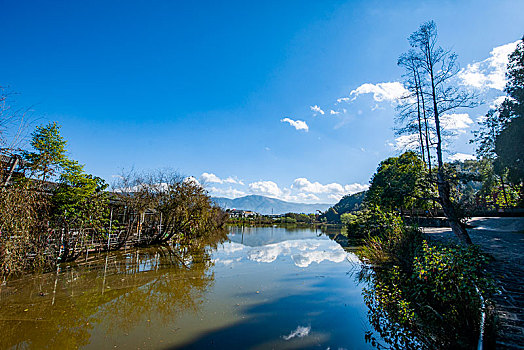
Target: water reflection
<point>264,288</point>
<point>302,252</point>
<point>115,293</point>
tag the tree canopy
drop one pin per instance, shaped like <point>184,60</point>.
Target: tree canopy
<point>399,183</point>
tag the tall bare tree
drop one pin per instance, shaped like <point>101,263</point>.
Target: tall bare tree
<point>439,67</point>
<point>412,111</point>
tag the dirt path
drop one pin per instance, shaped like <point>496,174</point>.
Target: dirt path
<point>503,238</point>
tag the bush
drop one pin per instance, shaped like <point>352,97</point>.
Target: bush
<point>373,221</point>
<point>424,296</point>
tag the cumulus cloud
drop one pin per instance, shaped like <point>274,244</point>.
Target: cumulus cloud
<point>212,178</point>
<point>317,110</point>
<point>391,91</point>
<point>332,112</point>
<point>304,185</point>
<point>406,142</point>
<point>355,188</point>
<point>304,191</point>
<point>456,122</point>
<point>461,157</point>
<point>489,73</point>
<point>333,191</point>
<point>265,188</point>
<point>297,124</point>
<point>226,192</point>
<point>207,177</point>
<point>307,197</point>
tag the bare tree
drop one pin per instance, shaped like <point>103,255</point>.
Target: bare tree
<point>165,206</point>
<point>412,111</point>
<point>440,67</point>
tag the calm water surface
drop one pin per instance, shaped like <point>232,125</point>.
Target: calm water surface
<point>266,287</point>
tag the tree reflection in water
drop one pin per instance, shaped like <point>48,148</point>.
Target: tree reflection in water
<point>118,291</point>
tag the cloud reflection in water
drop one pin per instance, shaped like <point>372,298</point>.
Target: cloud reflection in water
<point>302,252</point>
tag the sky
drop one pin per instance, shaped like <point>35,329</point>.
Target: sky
<point>289,99</point>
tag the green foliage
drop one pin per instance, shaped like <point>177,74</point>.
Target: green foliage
<point>80,200</point>
<point>400,183</point>
<point>372,221</point>
<point>49,155</point>
<point>500,134</point>
<point>430,301</point>
<point>452,276</point>
<point>387,239</point>
<point>510,149</point>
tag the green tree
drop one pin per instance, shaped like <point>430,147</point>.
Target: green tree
<point>79,202</point>
<point>509,147</point>
<point>50,152</point>
<point>400,183</point>
<point>500,134</point>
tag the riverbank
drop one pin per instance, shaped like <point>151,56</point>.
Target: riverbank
<point>503,239</point>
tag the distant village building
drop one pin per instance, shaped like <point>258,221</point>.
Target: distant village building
<point>236,213</point>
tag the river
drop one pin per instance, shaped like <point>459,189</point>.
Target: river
<point>263,288</point>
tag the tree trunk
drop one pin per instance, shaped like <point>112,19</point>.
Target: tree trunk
<point>417,87</point>
<point>456,225</point>
<point>459,229</point>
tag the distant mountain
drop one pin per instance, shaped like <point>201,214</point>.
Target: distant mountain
<point>266,205</point>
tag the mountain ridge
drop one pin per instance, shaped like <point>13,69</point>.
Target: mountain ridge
<point>267,205</point>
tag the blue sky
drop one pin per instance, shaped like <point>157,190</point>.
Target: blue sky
<point>205,87</point>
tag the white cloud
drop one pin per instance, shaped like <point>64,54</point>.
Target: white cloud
<point>457,122</point>
<point>212,178</point>
<point>406,142</point>
<point>391,91</point>
<point>332,112</point>
<point>304,185</point>
<point>299,332</point>
<point>489,73</point>
<point>333,190</point>
<point>304,191</point>
<point>207,177</point>
<point>317,110</point>
<point>355,188</point>
<point>307,197</point>
<point>266,188</point>
<point>343,99</point>
<point>226,192</point>
<point>297,124</point>
<point>497,102</point>
<point>231,180</point>
<point>461,157</point>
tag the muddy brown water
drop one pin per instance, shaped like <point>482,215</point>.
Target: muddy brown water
<point>266,287</point>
